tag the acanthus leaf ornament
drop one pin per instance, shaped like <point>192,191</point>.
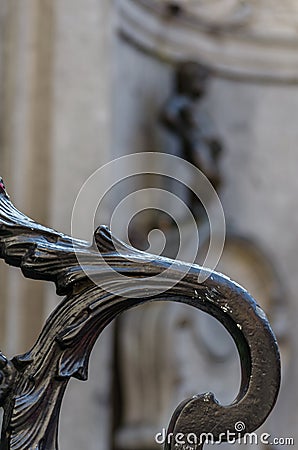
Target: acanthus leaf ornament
<point>33,384</point>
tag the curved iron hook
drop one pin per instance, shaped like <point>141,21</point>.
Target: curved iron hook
<point>34,383</point>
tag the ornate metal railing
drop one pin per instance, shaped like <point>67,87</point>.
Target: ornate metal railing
<point>33,384</point>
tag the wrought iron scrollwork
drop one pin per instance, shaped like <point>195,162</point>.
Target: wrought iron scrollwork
<point>32,385</point>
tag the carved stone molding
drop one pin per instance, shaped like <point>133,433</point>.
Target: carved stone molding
<point>240,38</point>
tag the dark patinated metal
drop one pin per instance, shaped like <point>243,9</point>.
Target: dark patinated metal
<point>199,144</point>
<point>33,384</point>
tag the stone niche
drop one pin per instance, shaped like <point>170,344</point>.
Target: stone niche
<point>58,62</point>
<point>165,352</point>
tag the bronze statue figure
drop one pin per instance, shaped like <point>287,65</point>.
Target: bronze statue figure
<point>199,143</point>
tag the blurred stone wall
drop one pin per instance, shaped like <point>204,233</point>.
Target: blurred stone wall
<point>253,101</point>
<point>54,131</point>
<point>74,95</point>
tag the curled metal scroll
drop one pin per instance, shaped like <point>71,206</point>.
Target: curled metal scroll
<point>33,384</point>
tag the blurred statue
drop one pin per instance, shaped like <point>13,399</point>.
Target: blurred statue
<point>199,144</point>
